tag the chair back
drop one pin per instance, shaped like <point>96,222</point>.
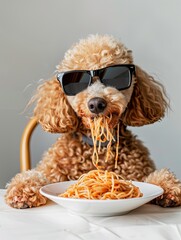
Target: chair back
<point>25,156</point>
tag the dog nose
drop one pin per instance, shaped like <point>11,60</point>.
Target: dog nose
<point>97,105</point>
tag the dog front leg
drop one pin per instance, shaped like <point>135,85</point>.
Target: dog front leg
<point>171,186</point>
<point>23,190</point>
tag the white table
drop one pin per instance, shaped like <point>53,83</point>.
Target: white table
<point>53,222</point>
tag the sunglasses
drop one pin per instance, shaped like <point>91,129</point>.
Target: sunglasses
<point>118,76</point>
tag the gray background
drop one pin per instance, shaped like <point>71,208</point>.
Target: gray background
<point>33,38</point>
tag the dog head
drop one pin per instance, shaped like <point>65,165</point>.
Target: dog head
<point>143,102</point>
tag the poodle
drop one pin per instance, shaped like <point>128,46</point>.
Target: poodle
<point>66,109</point>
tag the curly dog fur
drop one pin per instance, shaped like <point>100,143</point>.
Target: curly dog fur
<point>145,102</point>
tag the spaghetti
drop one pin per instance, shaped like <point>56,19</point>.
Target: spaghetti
<point>102,185</point>
<point>101,132</point>
<point>99,184</point>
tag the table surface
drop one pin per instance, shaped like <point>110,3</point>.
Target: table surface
<point>53,222</point>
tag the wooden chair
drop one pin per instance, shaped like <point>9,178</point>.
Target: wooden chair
<point>25,158</point>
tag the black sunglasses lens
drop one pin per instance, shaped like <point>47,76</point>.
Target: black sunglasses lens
<point>118,77</point>
<point>75,82</point>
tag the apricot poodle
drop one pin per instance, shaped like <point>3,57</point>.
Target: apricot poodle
<point>79,92</point>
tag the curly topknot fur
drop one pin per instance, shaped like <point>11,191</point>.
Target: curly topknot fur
<point>95,52</point>
<point>145,102</point>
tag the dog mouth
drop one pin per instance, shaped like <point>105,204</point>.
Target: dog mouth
<point>112,119</point>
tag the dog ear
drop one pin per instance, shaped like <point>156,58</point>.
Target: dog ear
<point>52,109</point>
<point>148,102</point>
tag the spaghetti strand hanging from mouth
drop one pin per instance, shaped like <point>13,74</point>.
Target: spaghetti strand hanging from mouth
<point>101,133</point>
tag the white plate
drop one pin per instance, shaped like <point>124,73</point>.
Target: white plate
<point>100,207</point>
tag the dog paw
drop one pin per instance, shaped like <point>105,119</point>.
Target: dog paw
<point>166,200</point>
<point>171,186</point>
<point>24,198</point>
<point>23,191</point>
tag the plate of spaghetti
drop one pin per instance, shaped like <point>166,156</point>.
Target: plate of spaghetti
<point>101,193</point>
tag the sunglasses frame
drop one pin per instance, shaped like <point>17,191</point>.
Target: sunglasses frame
<point>96,73</point>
